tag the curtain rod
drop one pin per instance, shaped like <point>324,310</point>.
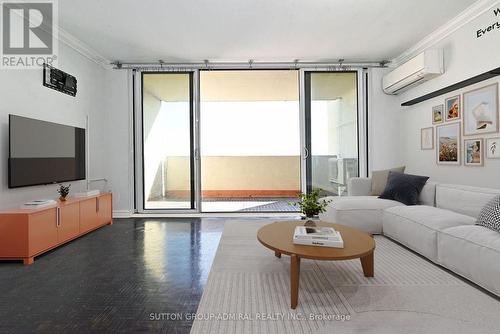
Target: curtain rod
<point>339,65</point>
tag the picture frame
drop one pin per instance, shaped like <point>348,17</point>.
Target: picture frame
<point>453,109</point>
<point>438,114</point>
<point>448,144</point>
<point>474,152</point>
<point>480,112</point>
<point>493,148</point>
<point>427,138</point>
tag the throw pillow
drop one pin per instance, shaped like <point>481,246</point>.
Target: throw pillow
<point>404,188</point>
<point>379,179</point>
<point>490,215</point>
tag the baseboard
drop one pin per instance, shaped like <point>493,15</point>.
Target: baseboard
<point>122,214</point>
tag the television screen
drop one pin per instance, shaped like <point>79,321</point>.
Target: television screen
<point>43,152</point>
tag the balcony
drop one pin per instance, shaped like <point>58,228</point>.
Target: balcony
<point>244,183</point>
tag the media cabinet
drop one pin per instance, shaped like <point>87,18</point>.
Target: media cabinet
<point>27,233</point>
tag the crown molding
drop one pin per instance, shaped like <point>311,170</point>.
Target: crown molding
<point>82,48</point>
<point>466,16</point>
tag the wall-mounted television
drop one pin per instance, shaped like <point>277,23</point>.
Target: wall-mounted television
<point>42,152</point>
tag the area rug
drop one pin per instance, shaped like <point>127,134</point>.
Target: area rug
<point>248,291</point>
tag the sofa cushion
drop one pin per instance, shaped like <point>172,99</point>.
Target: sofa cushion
<point>379,179</point>
<point>359,186</point>
<point>404,188</point>
<point>362,212</point>
<point>472,251</point>
<point>463,199</point>
<point>428,194</point>
<point>490,215</point>
<point>416,226</point>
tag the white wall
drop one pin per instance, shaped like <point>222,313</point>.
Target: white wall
<point>119,140</point>
<point>465,57</point>
<point>22,94</point>
<point>384,124</point>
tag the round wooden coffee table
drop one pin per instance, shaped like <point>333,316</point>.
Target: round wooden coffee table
<point>279,237</point>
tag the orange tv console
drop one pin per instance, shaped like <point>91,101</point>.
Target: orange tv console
<point>27,233</point>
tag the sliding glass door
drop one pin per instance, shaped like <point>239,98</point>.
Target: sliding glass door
<point>246,140</point>
<point>167,141</point>
<point>331,130</point>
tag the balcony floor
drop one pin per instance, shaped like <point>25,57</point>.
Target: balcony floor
<point>253,204</point>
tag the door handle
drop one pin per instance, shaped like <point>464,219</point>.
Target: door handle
<point>58,216</point>
<point>306,153</point>
<point>97,204</point>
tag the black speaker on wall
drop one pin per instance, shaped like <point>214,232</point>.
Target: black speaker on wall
<point>59,80</point>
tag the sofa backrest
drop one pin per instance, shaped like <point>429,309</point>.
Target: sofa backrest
<point>463,199</point>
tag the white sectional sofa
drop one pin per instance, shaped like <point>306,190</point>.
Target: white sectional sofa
<point>441,228</point>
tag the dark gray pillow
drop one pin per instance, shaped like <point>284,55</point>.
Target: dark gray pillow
<point>404,188</point>
<point>490,215</point>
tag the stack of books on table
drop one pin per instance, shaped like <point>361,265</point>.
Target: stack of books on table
<point>317,236</point>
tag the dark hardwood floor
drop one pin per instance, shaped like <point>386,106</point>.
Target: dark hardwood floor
<point>113,280</point>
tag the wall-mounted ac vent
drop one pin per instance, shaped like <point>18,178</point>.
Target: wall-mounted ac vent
<point>425,66</point>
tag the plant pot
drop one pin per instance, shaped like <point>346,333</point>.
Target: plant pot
<point>62,199</point>
<point>311,221</point>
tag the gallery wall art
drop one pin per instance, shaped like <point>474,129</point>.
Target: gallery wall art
<point>481,110</point>
<point>475,112</point>
<point>437,114</point>
<point>448,144</point>
<point>473,152</point>
<point>453,110</point>
<point>493,148</point>
<point>427,138</point>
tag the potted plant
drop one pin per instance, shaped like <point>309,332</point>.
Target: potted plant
<point>63,191</point>
<point>311,205</point>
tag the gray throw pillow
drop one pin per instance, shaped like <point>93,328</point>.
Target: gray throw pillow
<point>404,188</point>
<point>490,215</point>
<point>379,179</point>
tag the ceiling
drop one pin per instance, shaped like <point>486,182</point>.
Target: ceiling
<point>263,30</point>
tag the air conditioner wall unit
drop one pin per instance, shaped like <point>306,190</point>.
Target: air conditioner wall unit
<point>427,65</point>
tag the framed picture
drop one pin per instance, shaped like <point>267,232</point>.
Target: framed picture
<point>437,114</point>
<point>453,111</point>
<point>427,138</point>
<point>481,110</point>
<point>473,152</point>
<point>493,148</point>
<point>448,144</point>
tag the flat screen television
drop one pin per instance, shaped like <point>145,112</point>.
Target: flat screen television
<point>43,152</point>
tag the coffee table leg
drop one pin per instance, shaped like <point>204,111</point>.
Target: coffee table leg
<point>367,264</point>
<point>294,279</point>
<point>277,254</point>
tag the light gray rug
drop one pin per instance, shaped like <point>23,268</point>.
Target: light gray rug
<point>248,291</point>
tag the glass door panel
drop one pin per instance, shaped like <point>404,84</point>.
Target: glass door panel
<point>167,127</point>
<point>331,117</point>
<point>250,140</point>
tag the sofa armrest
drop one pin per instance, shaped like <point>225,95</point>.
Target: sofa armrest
<point>359,186</point>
